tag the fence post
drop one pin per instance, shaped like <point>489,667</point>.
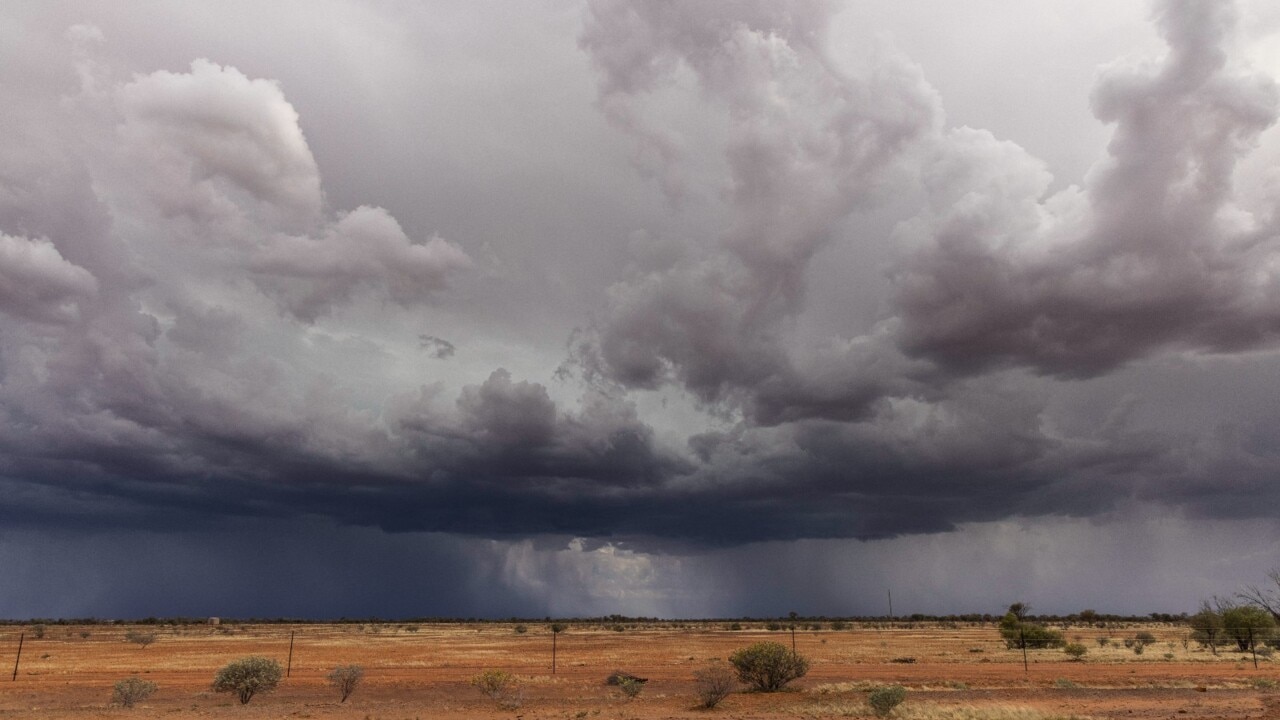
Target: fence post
<point>1253,649</point>
<point>1022,640</point>
<point>21,637</point>
<point>289,668</point>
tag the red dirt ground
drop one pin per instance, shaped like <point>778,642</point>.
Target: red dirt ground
<point>411,672</point>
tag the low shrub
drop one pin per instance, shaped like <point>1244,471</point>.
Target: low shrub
<point>712,684</point>
<point>631,687</point>
<point>139,638</point>
<point>247,677</point>
<point>768,666</point>
<point>499,686</point>
<point>131,690</point>
<point>345,678</point>
<point>1076,651</point>
<point>884,699</point>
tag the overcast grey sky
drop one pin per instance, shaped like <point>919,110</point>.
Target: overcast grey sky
<point>666,308</point>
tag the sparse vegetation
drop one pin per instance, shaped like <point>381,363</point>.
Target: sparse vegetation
<point>712,684</point>
<point>768,666</point>
<point>247,677</point>
<point>499,686</point>
<point>630,687</point>
<point>131,690</point>
<point>1076,651</point>
<point>38,630</point>
<point>139,637</point>
<point>345,678</point>
<point>884,699</point>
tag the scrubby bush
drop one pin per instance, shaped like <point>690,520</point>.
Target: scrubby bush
<point>493,683</point>
<point>1138,646</point>
<point>247,677</point>
<point>139,638</point>
<point>1206,627</point>
<point>1076,651</point>
<point>1103,641</point>
<point>630,686</point>
<point>712,684</point>
<point>521,629</point>
<point>131,690</point>
<point>884,699</point>
<point>768,666</point>
<point>345,678</point>
<point>1144,637</point>
<point>38,630</point>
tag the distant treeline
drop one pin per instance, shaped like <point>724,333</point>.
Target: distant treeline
<point>1085,616</point>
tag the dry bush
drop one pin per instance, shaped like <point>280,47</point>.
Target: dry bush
<point>712,684</point>
<point>345,678</point>
<point>499,686</point>
<point>139,638</point>
<point>132,690</point>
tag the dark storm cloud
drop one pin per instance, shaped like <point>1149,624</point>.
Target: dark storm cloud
<point>194,330</point>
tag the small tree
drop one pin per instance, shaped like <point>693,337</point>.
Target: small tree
<point>768,666</point>
<point>1206,627</point>
<point>345,678</point>
<point>248,676</point>
<point>712,684</point>
<point>885,698</point>
<point>132,690</point>
<point>1016,630</point>
<point>1246,624</point>
<point>1076,651</point>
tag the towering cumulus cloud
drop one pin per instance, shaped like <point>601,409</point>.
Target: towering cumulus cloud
<point>804,144</point>
<point>1156,251</point>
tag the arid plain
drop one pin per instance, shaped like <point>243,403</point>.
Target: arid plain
<point>951,671</point>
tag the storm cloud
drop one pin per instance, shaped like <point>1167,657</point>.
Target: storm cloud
<point>722,283</point>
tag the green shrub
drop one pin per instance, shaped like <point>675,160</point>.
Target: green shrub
<point>247,677</point>
<point>884,699</point>
<point>499,686</point>
<point>521,629</point>
<point>132,690</point>
<point>712,684</point>
<point>1145,637</point>
<point>38,630</point>
<point>630,686</point>
<point>1075,651</point>
<point>768,666</point>
<point>345,678</point>
<point>1138,646</point>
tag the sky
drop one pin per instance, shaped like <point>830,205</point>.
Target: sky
<point>475,308</point>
